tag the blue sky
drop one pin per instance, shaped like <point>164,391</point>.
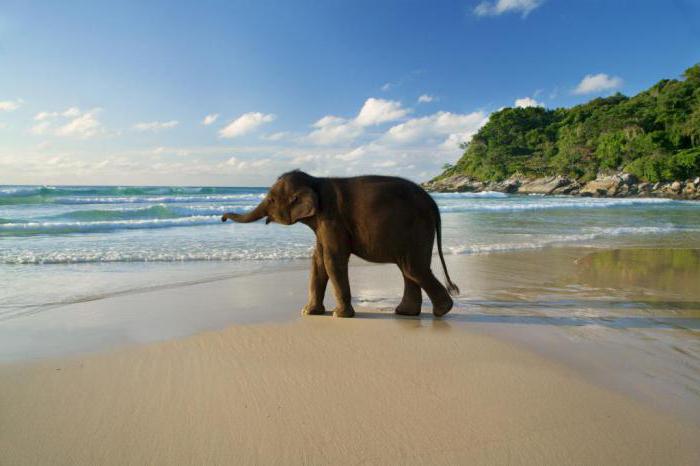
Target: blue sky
<point>118,92</point>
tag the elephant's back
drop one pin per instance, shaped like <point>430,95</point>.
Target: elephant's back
<point>388,216</point>
<point>391,196</point>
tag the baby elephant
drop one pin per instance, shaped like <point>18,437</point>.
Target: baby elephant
<point>378,218</point>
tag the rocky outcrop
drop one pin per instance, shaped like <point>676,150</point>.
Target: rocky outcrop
<point>547,185</point>
<point>454,184</point>
<point>605,185</point>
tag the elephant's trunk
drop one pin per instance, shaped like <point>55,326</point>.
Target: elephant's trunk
<point>256,214</point>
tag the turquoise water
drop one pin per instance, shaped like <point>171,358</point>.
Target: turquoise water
<point>61,244</point>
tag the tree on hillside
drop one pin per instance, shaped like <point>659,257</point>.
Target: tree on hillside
<point>655,135</point>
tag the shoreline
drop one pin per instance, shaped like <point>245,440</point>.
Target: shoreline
<point>619,185</point>
<point>632,336</point>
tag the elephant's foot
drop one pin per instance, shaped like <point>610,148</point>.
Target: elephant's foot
<point>309,310</point>
<point>408,309</point>
<point>443,307</point>
<point>344,311</point>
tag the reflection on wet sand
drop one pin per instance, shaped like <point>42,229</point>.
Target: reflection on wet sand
<point>565,287</point>
<point>629,318</point>
<point>675,271</point>
<point>632,322</point>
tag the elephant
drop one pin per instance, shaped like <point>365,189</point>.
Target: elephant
<point>380,219</point>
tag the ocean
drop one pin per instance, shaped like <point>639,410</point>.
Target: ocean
<point>63,244</point>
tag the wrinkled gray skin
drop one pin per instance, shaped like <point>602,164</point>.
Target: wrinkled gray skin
<point>378,218</point>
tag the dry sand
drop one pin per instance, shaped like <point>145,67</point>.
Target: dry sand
<point>370,390</point>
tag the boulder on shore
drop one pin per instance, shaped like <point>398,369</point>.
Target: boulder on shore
<point>454,183</point>
<point>602,186</point>
<point>546,185</point>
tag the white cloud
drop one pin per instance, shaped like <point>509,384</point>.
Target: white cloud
<point>454,126</point>
<point>9,105</point>
<point>381,137</point>
<point>209,119</point>
<point>83,126</point>
<point>306,158</point>
<point>329,120</point>
<point>600,82</point>
<point>155,125</point>
<point>277,136</point>
<point>42,128</point>
<point>72,122</point>
<point>44,115</point>
<point>378,111</point>
<point>239,165</point>
<point>498,7</point>
<point>386,86</point>
<point>527,102</point>
<point>235,162</point>
<point>418,145</point>
<point>252,165</point>
<point>245,124</point>
<point>333,129</point>
<point>425,99</point>
<point>259,163</point>
<point>71,112</point>
<point>354,154</point>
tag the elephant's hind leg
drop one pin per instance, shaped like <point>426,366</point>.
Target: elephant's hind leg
<point>442,302</point>
<point>412,298</point>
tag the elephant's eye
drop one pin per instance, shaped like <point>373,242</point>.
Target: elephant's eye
<point>294,199</point>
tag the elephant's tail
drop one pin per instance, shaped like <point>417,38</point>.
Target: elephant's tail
<point>451,287</point>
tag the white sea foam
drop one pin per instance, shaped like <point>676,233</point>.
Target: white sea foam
<point>69,227</point>
<point>18,190</point>
<point>520,204</point>
<point>108,256</point>
<point>156,199</point>
<point>471,248</point>
<point>545,240</point>
<point>639,230</point>
<point>479,195</point>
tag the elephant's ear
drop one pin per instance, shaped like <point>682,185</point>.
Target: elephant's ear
<point>305,206</point>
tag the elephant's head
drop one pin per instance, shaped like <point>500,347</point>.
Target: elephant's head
<point>290,199</point>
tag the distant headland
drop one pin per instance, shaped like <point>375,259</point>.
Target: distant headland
<point>645,145</point>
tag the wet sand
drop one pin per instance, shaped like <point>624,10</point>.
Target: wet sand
<point>542,363</point>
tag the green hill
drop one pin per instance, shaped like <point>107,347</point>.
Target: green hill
<point>654,135</point>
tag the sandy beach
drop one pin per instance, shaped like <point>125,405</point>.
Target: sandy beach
<point>478,387</point>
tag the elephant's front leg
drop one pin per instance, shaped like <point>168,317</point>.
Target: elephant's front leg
<point>337,268</point>
<point>317,284</point>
